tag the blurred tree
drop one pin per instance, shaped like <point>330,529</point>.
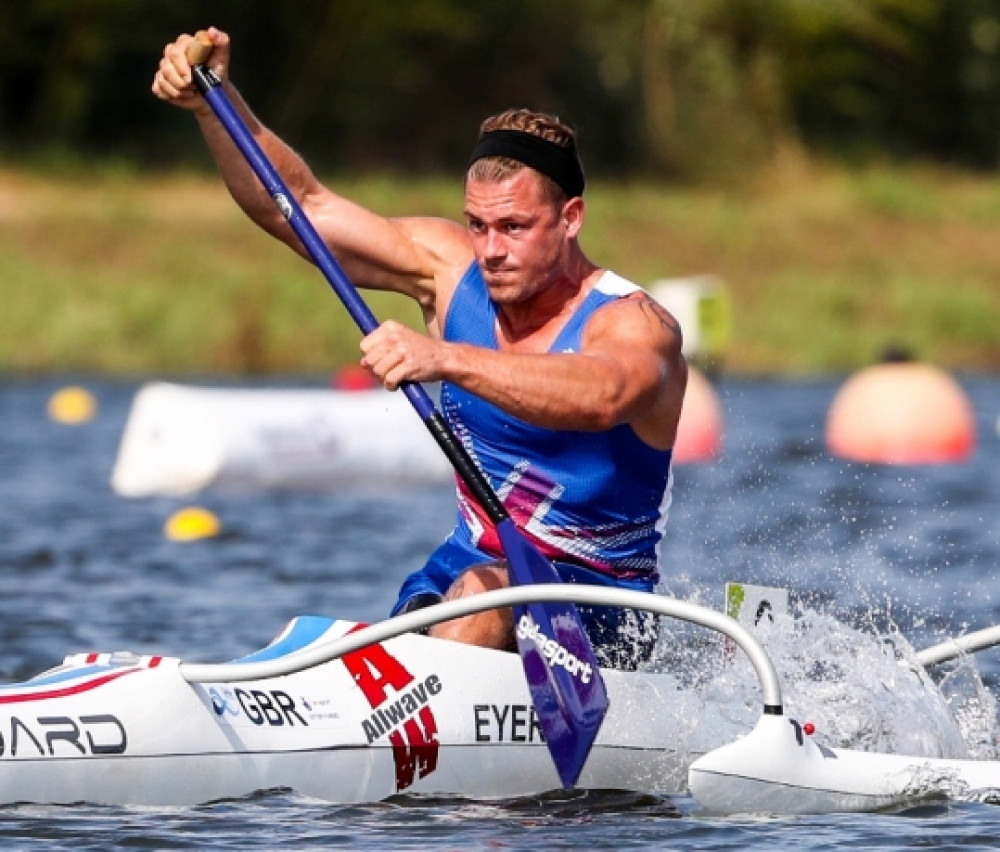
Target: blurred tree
<point>691,90</point>
<point>712,85</point>
<point>854,69</point>
<point>956,104</point>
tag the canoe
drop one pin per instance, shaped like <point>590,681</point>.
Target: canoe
<point>351,713</point>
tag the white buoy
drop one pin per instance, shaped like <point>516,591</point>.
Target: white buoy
<point>181,439</point>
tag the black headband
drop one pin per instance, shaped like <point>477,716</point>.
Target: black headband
<point>554,161</point>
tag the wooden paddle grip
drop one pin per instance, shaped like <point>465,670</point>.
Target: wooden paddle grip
<point>199,48</point>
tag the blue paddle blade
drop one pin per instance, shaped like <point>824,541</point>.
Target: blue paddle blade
<point>559,663</point>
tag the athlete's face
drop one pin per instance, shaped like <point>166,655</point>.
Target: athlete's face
<point>519,236</point>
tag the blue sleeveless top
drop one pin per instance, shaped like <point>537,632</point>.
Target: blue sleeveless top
<point>595,499</point>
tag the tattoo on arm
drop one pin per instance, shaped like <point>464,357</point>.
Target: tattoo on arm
<point>649,305</point>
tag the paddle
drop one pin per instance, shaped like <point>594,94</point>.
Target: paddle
<point>559,663</point>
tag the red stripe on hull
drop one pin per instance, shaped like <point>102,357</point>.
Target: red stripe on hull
<point>64,691</point>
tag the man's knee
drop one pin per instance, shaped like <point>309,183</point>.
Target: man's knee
<point>492,628</point>
<point>476,579</point>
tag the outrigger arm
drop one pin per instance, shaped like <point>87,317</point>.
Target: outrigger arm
<point>447,610</point>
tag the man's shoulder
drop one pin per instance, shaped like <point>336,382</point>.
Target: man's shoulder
<point>613,284</point>
<point>444,237</point>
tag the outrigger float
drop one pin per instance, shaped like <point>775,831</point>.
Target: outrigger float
<point>351,713</point>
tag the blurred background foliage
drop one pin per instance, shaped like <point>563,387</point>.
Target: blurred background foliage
<point>691,90</point>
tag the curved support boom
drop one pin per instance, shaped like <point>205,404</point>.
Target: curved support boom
<point>967,644</point>
<point>383,630</point>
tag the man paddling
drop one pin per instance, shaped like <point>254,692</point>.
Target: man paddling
<point>563,380</point>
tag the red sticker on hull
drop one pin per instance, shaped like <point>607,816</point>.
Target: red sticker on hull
<point>405,716</point>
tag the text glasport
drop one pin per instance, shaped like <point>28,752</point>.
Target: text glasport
<point>554,653</point>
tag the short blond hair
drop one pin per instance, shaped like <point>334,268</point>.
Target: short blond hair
<point>543,125</point>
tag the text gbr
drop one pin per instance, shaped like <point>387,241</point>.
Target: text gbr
<point>262,707</point>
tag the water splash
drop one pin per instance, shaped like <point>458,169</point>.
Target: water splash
<point>861,687</point>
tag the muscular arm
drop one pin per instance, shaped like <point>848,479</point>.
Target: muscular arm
<point>629,370</point>
<point>416,256</point>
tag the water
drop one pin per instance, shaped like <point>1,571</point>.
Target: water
<point>874,557</point>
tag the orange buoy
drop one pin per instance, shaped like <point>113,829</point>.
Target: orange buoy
<point>901,413</point>
<point>699,432</point>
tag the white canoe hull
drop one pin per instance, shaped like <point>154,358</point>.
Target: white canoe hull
<point>412,714</point>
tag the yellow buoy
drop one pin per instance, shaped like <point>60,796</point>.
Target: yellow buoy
<point>191,524</point>
<point>72,405</point>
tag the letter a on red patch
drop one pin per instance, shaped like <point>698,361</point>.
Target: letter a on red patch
<point>373,669</point>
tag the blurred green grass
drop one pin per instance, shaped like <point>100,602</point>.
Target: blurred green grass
<point>123,273</point>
